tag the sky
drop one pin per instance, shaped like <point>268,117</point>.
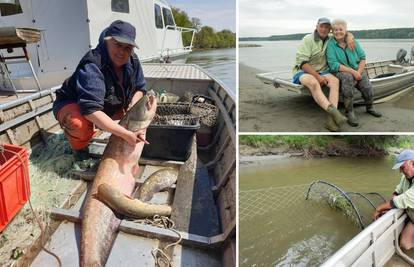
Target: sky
<point>276,17</point>
<point>218,14</point>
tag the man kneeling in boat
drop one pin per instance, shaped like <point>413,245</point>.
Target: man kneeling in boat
<point>403,197</point>
<point>107,81</point>
<point>311,70</point>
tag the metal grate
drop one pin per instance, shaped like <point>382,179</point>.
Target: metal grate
<point>174,71</point>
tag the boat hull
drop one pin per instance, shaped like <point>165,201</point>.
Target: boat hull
<point>382,87</point>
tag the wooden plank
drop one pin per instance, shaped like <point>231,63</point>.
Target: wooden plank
<point>182,205</point>
<point>134,228</point>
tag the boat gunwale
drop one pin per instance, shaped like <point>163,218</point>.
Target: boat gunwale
<point>287,84</point>
<point>394,216</point>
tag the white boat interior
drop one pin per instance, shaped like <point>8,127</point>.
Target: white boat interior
<point>376,245</point>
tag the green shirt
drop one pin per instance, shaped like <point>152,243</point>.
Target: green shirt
<point>337,56</point>
<point>405,191</point>
<point>311,50</point>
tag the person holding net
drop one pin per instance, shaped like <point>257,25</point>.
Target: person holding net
<point>403,197</point>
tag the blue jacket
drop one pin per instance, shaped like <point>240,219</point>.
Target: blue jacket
<point>94,85</point>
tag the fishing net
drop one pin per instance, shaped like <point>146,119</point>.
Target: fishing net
<point>50,185</point>
<point>278,225</point>
<point>299,225</point>
<point>358,207</point>
<point>185,113</point>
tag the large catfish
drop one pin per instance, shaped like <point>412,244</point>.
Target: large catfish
<point>117,168</point>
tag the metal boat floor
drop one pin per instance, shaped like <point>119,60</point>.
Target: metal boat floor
<point>174,71</point>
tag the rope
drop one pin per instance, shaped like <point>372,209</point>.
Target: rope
<point>160,255</point>
<point>39,223</point>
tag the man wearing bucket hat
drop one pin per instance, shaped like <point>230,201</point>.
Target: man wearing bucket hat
<point>107,81</point>
<point>403,196</point>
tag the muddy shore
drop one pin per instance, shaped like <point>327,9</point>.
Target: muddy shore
<point>262,108</point>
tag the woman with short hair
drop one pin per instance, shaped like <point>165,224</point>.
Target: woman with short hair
<point>348,66</point>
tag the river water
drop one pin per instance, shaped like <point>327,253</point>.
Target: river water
<point>279,56</point>
<point>278,227</point>
<point>221,63</point>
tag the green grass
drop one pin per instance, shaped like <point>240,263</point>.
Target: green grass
<point>318,142</point>
<point>259,140</point>
<point>292,141</point>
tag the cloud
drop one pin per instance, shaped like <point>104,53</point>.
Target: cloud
<point>273,17</point>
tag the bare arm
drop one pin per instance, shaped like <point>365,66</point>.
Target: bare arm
<point>361,66</point>
<point>350,40</point>
<point>381,209</point>
<point>104,122</point>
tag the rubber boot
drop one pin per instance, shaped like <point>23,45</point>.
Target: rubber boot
<point>80,155</point>
<point>336,115</point>
<point>349,112</point>
<point>331,125</point>
<point>370,110</point>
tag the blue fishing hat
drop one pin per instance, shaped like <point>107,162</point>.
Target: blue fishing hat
<point>407,154</point>
<point>122,31</point>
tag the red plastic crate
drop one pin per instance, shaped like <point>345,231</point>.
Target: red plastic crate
<point>14,187</point>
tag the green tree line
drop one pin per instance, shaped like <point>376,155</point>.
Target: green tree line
<point>206,37</point>
<point>396,33</point>
<point>377,142</point>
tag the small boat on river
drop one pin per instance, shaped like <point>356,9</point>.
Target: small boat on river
<point>387,78</point>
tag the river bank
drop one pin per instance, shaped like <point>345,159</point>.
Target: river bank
<point>254,148</point>
<point>262,108</point>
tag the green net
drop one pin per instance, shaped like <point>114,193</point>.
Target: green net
<point>50,185</point>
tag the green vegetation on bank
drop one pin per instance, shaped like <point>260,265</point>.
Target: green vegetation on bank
<point>327,145</point>
<point>396,33</point>
<point>206,37</point>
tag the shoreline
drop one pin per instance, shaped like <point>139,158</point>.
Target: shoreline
<point>263,108</point>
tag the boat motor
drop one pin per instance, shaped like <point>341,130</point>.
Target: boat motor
<point>412,55</point>
<point>401,56</point>
<point>10,7</point>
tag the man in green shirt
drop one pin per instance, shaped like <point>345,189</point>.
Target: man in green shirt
<point>311,70</point>
<point>403,197</point>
